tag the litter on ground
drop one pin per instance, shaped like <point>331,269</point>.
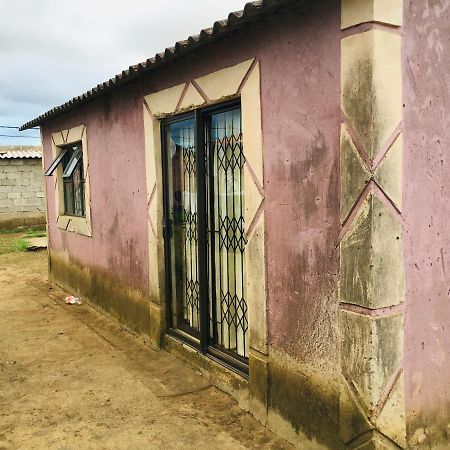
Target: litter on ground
<point>71,300</point>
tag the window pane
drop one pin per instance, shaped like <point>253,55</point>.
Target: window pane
<point>229,318</point>
<point>56,162</point>
<point>78,188</point>
<point>68,197</point>
<point>73,179</point>
<point>182,203</point>
<point>77,154</point>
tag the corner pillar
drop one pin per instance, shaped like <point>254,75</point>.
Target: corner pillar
<point>372,285</point>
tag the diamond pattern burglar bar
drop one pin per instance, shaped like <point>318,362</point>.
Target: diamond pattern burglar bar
<point>205,245</point>
<point>229,319</point>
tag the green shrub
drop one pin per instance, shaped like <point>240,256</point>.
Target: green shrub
<point>21,245</point>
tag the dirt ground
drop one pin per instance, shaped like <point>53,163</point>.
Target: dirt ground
<point>71,378</point>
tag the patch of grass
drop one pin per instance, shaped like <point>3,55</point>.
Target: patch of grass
<point>13,230</point>
<point>13,241</point>
<point>36,233</point>
<point>38,228</point>
<point>7,243</point>
<point>30,230</point>
<point>21,245</point>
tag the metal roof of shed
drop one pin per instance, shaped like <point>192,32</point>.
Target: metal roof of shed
<point>251,12</point>
<point>20,154</point>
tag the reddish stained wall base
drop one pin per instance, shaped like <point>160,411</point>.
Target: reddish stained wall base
<point>426,66</point>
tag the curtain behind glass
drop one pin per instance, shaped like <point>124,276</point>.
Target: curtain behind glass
<point>228,310</point>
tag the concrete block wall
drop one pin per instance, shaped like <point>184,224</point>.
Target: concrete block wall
<point>21,191</point>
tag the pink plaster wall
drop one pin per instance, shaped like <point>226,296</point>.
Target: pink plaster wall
<point>426,73</point>
<point>115,142</point>
<point>301,122</point>
<point>299,55</point>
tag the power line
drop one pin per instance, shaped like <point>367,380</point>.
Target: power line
<point>17,128</point>
<point>18,136</point>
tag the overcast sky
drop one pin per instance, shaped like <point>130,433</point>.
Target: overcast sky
<point>53,50</point>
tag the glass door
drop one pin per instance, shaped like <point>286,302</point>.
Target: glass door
<point>205,234</point>
<point>181,223</point>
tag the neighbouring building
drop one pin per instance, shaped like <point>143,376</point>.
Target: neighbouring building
<point>270,201</point>
<point>21,187</point>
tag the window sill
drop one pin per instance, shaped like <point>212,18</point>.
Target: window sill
<point>74,224</point>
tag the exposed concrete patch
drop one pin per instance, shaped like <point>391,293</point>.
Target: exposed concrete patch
<point>39,243</point>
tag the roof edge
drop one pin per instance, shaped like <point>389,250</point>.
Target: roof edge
<point>252,12</point>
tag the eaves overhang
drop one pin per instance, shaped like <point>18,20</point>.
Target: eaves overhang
<point>252,12</point>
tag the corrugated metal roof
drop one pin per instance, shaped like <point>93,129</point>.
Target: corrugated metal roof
<point>251,12</point>
<point>20,154</point>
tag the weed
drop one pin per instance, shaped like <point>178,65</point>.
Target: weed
<point>35,233</point>
<point>12,230</point>
<point>21,245</point>
<point>12,241</point>
<point>30,230</point>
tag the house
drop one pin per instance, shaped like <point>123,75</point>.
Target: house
<point>270,201</point>
<point>21,187</point>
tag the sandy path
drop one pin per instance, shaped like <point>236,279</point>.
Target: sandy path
<point>70,378</point>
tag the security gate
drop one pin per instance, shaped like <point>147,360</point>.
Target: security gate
<point>204,231</point>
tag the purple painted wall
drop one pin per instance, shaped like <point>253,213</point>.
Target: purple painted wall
<point>301,123</point>
<point>300,67</point>
<point>115,136</point>
<point>426,64</point>
<point>299,55</point>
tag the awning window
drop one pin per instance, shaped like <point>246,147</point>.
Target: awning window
<point>56,162</point>
<point>73,162</point>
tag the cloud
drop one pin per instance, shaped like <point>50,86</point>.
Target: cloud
<point>51,51</point>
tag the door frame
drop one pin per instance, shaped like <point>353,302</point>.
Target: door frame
<point>203,342</point>
<point>239,80</point>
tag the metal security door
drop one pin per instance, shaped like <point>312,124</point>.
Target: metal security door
<point>204,232</point>
<point>228,306</point>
